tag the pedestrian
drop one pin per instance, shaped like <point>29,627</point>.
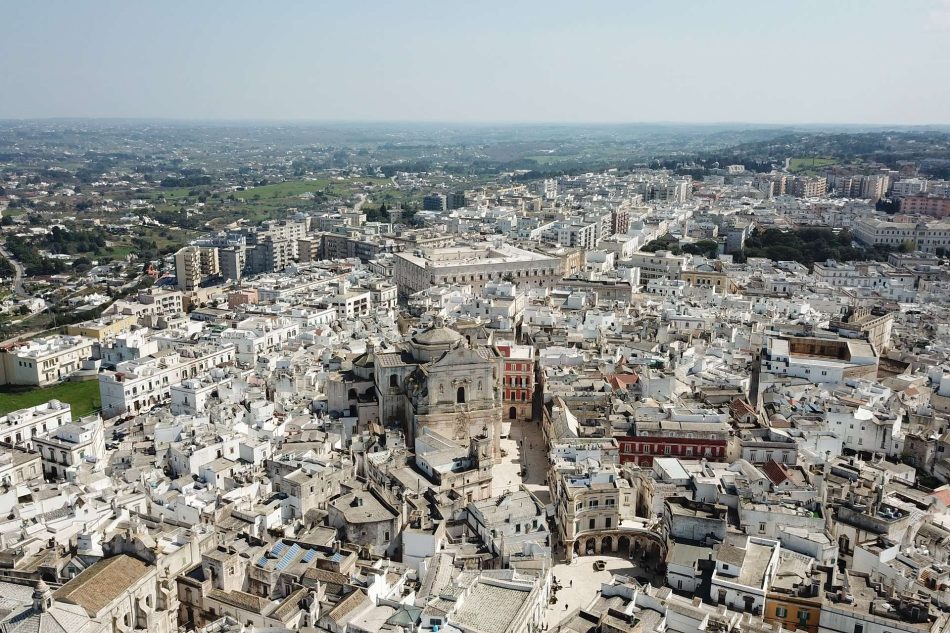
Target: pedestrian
<point>572,582</point>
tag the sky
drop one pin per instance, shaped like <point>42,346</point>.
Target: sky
<point>596,61</point>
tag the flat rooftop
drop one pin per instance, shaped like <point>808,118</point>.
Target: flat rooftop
<point>473,256</point>
<point>755,564</point>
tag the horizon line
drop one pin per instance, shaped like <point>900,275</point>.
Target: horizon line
<point>308,121</point>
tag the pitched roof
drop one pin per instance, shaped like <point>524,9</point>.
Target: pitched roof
<point>95,588</point>
<point>239,599</point>
<point>348,606</point>
<point>290,605</point>
<point>775,472</point>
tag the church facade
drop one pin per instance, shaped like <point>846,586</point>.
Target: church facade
<point>437,380</point>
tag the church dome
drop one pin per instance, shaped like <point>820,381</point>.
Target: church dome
<point>437,337</point>
<point>430,344</point>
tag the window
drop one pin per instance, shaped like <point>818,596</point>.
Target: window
<point>591,524</point>
<point>607,522</point>
<point>781,612</point>
<point>858,628</point>
<point>803,616</point>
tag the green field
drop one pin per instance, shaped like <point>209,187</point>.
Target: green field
<point>176,193</point>
<point>548,159</point>
<point>297,187</point>
<point>809,164</point>
<point>82,396</point>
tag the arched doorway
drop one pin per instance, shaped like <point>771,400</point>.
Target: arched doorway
<point>460,395</point>
<point>512,413</point>
<point>623,545</point>
<point>607,545</point>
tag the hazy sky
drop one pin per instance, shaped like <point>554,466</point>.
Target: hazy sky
<point>781,61</point>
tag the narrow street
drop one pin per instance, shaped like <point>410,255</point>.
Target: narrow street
<point>524,450</point>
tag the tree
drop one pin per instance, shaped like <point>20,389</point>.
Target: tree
<point>7,220</point>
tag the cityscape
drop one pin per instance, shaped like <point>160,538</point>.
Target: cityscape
<point>497,364</point>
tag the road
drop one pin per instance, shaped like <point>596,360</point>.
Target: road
<point>18,275</point>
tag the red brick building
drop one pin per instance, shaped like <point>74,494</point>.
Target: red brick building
<point>670,438</point>
<point>518,380</point>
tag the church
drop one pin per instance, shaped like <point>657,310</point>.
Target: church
<point>438,380</point>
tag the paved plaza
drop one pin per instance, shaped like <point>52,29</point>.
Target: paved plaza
<point>580,583</point>
<point>524,448</point>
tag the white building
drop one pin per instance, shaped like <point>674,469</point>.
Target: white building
<point>45,361</point>
<point>927,237</point>
<point>258,335</point>
<point>145,383</point>
<point>70,446</point>
<point>743,575</point>
<point>21,426</point>
<point>475,265</point>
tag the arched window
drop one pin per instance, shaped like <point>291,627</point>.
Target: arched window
<point>351,394</point>
<point>460,395</point>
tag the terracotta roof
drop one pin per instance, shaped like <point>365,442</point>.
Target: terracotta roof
<point>775,472</point>
<point>95,588</point>
<point>622,381</point>
<point>943,496</point>
<point>740,406</point>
